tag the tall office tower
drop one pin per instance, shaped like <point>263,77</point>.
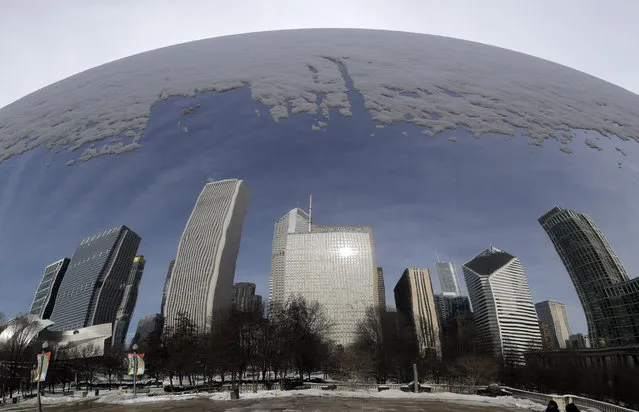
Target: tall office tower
<point>414,298</point>
<point>47,292</point>
<point>202,277</point>
<point>554,316</point>
<point>381,289</point>
<point>149,329</point>
<point>295,221</point>
<point>245,299</point>
<point>167,281</point>
<point>335,266</point>
<point>92,288</point>
<point>125,312</point>
<point>448,307</point>
<point>506,322</point>
<point>600,279</point>
<point>448,279</point>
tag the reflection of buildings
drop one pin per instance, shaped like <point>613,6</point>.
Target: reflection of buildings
<point>45,296</point>
<point>610,300</point>
<point>414,298</point>
<point>448,280</point>
<point>245,299</point>
<point>295,221</point>
<point>334,266</point>
<point>554,316</point>
<point>167,281</point>
<point>578,341</point>
<point>149,329</point>
<point>380,293</point>
<point>202,277</point>
<point>92,288</point>
<point>125,312</point>
<point>505,319</point>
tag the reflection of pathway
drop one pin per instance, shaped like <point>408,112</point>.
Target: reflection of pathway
<point>283,404</point>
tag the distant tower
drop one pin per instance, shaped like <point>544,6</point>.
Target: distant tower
<point>414,298</point>
<point>47,292</point>
<point>93,286</point>
<point>245,299</point>
<point>555,317</point>
<point>310,213</point>
<point>609,299</point>
<point>125,312</point>
<point>381,289</point>
<point>167,281</point>
<point>202,277</point>
<point>505,318</point>
<point>448,279</point>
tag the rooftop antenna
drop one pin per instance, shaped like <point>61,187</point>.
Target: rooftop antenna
<point>310,212</point>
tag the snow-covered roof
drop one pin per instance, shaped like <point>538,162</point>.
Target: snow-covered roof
<point>430,81</point>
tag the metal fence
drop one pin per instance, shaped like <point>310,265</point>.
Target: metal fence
<point>585,404</point>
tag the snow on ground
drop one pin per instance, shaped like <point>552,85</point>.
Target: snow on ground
<point>434,82</point>
<point>508,402</point>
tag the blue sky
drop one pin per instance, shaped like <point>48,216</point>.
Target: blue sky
<point>421,195</point>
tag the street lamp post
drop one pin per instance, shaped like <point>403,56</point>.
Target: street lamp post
<point>135,369</point>
<point>45,345</point>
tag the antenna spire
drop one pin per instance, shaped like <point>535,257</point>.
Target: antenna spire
<point>310,212</point>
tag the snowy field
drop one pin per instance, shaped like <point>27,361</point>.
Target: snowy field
<point>269,400</point>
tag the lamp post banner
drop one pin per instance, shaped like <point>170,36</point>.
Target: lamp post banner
<point>40,374</point>
<point>140,363</point>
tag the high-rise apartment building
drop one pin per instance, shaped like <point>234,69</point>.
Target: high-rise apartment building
<point>506,322</point>
<point>448,279</point>
<point>167,281</point>
<point>381,289</point>
<point>93,286</point>
<point>245,299</point>
<point>335,266</point>
<point>555,317</point>
<point>47,292</point>
<point>202,277</point>
<point>127,306</point>
<point>602,284</point>
<point>414,298</point>
<point>295,221</point>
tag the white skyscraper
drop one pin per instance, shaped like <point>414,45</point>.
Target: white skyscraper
<point>448,279</point>
<point>554,315</point>
<point>505,318</point>
<point>334,266</point>
<point>295,221</point>
<point>202,277</point>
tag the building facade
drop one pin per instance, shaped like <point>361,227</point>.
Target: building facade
<point>295,221</point>
<point>125,312</point>
<point>506,322</point>
<point>167,281</point>
<point>600,279</point>
<point>555,317</point>
<point>202,277</point>
<point>448,280</point>
<point>47,292</point>
<point>335,266</point>
<point>93,286</point>
<point>381,289</point>
<point>245,299</point>
<point>149,329</point>
<point>414,298</point>
<point>448,307</point>
<point>579,341</point>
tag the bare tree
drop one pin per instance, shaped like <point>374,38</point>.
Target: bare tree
<point>476,369</point>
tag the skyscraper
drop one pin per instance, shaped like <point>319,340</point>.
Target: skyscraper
<point>245,299</point>
<point>149,329</point>
<point>414,298</point>
<point>47,292</point>
<point>448,279</point>
<point>381,289</point>
<point>602,284</point>
<point>167,281</point>
<point>335,266</point>
<point>295,221</point>
<point>554,316</point>
<point>448,307</point>
<point>505,318</point>
<point>202,277</point>
<point>93,286</point>
<point>127,306</point>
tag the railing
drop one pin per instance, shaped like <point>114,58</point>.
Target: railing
<point>563,400</point>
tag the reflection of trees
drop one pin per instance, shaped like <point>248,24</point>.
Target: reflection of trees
<point>17,355</point>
